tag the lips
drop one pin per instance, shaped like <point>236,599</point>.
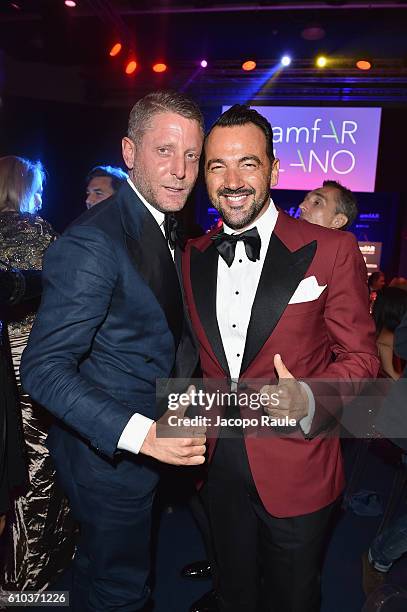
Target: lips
<point>235,200</point>
<point>174,189</point>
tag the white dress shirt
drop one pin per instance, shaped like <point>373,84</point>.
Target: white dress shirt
<point>236,290</point>
<point>137,428</point>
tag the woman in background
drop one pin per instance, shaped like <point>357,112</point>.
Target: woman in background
<point>39,532</point>
<point>389,309</point>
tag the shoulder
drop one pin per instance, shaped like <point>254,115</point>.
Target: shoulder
<point>325,235</point>
<point>202,242</point>
<point>101,215</point>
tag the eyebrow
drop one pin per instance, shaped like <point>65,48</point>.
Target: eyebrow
<point>219,160</point>
<point>317,193</point>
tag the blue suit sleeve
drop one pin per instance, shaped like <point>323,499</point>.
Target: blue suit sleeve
<point>79,276</point>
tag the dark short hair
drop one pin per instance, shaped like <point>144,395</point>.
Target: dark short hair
<point>241,114</point>
<point>389,308</point>
<point>346,202</point>
<point>117,175</point>
<point>161,101</point>
<point>374,277</point>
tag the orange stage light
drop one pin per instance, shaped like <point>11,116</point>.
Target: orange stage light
<point>115,50</point>
<point>131,67</point>
<point>160,67</point>
<point>249,65</point>
<point>363,65</point>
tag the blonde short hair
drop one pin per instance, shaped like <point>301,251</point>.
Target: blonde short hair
<point>20,179</point>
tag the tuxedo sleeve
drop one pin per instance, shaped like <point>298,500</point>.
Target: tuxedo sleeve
<point>79,276</point>
<point>351,334</point>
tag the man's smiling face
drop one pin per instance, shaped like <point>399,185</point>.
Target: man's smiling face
<point>239,173</point>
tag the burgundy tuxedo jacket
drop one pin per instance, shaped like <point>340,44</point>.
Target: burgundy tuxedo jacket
<point>331,337</point>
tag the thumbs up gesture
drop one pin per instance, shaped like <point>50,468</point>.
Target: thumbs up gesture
<point>292,397</point>
<point>177,444</point>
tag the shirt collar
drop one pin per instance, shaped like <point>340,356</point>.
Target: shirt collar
<point>157,214</point>
<point>265,224</point>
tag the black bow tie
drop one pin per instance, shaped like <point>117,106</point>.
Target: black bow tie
<point>226,244</point>
<point>173,232</point>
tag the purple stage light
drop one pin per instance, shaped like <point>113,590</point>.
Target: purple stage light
<point>204,64</point>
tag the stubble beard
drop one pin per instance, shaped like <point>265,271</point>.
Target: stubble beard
<point>252,214</point>
<point>144,187</point>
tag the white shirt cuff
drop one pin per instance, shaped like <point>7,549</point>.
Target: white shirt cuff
<point>134,434</point>
<point>306,422</point>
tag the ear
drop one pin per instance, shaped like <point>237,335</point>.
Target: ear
<point>128,150</point>
<point>275,167</point>
<point>339,221</point>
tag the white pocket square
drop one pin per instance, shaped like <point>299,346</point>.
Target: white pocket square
<point>307,291</point>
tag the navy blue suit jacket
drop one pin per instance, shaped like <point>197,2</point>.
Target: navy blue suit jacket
<point>109,325</point>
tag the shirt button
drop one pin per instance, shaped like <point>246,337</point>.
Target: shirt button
<point>240,260</point>
<point>234,325</point>
<point>238,355</point>
<point>236,293</point>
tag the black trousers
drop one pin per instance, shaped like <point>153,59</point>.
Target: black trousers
<point>264,563</point>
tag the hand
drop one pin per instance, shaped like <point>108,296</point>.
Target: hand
<point>2,523</point>
<point>169,447</point>
<point>293,399</point>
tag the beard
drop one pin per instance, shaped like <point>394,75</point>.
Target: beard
<point>150,193</point>
<point>259,202</point>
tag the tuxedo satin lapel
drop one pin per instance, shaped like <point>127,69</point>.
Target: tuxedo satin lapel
<point>282,271</point>
<point>204,275</point>
<point>187,357</point>
<point>150,255</point>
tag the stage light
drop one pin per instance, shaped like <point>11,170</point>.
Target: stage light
<point>70,3</point>
<point>131,67</point>
<point>249,65</point>
<point>363,65</point>
<point>204,64</point>
<point>321,61</point>
<point>286,60</point>
<point>115,50</point>
<point>160,67</point>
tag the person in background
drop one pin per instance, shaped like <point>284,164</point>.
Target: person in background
<point>388,311</point>
<point>399,281</point>
<point>332,205</point>
<point>376,281</point>
<point>15,286</point>
<point>40,531</point>
<point>102,182</point>
<point>391,544</point>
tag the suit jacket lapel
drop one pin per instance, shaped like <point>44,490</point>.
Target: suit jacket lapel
<point>204,276</point>
<point>282,272</point>
<point>150,255</point>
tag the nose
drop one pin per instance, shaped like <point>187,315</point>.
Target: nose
<point>232,179</point>
<point>303,206</point>
<point>178,167</point>
<point>90,200</point>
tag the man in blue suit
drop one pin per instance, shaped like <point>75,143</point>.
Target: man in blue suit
<point>110,323</point>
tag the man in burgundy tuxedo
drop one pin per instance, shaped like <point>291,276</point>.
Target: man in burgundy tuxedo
<point>273,297</point>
